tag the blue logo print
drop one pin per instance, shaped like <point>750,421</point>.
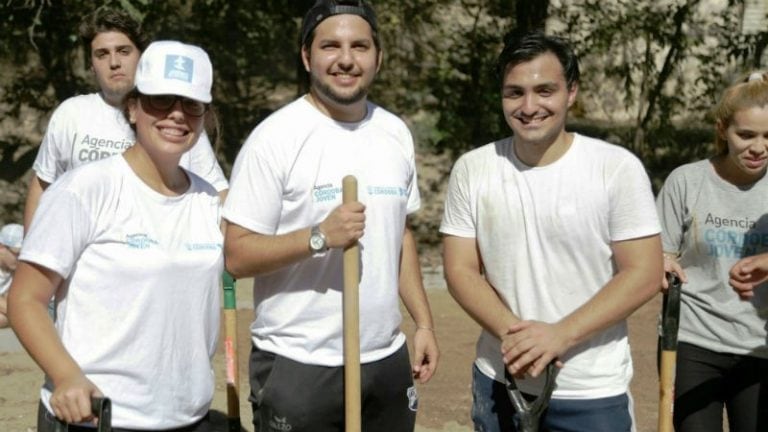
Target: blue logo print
<point>179,68</point>
<point>388,190</point>
<point>203,246</point>
<point>139,241</point>
<point>326,192</point>
<point>742,239</point>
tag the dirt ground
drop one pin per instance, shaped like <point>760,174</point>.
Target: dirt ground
<point>444,402</point>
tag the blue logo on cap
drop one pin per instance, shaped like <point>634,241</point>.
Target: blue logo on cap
<point>179,68</point>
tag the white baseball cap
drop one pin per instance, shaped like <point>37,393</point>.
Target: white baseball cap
<point>172,67</point>
<point>11,235</point>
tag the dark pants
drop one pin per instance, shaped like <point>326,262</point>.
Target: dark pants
<point>288,395</point>
<point>707,381</point>
<point>47,422</point>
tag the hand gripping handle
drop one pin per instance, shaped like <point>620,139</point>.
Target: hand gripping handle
<point>101,408</point>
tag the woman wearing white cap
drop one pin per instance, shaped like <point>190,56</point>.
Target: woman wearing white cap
<point>132,250</point>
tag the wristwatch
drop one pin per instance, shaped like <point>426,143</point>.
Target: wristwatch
<point>317,241</point>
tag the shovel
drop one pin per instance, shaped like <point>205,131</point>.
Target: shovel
<point>670,320</point>
<point>528,414</point>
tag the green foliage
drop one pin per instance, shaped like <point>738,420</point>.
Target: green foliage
<point>670,60</point>
<point>463,82</point>
<point>663,63</point>
<point>253,46</point>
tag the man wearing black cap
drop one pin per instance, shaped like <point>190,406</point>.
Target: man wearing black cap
<point>288,229</point>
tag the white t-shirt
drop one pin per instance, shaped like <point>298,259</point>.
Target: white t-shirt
<point>288,176</point>
<point>139,306</point>
<point>85,128</point>
<point>544,235</point>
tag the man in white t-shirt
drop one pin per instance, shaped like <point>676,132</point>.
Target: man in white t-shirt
<point>288,228</point>
<point>90,127</point>
<point>551,241</point>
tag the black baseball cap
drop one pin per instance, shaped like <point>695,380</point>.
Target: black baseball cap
<point>327,8</point>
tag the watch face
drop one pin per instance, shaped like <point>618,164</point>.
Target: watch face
<point>317,243</point>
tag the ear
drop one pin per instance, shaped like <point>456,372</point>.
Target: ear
<point>90,59</point>
<point>380,60</point>
<point>720,128</point>
<point>572,93</point>
<point>305,58</point>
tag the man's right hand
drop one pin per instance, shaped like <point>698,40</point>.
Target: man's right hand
<point>530,346</point>
<point>344,225</point>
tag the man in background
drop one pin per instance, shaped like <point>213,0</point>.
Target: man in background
<point>90,127</point>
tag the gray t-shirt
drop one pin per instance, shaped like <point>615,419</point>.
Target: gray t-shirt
<point>713,223</point>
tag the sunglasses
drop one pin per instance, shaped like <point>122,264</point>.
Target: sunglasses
<point>164,103</point>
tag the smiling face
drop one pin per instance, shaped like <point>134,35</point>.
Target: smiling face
<point>113,60</point>
<point>164,133</point>
<point>342,63</point>
<point>747,138</point>
<point>535,100</point>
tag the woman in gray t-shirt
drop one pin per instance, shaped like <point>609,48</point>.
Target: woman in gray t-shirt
<point>714,212</point>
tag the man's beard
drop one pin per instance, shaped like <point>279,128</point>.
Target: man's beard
<point>328,92</point>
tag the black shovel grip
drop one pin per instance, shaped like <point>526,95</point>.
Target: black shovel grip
<point>101,408</point>
<point>529,414</point>
<point>670,314</point>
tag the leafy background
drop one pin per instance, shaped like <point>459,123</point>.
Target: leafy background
<point>651,71</point>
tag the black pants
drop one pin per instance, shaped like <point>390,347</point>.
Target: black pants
<point>288,395</point>
<point>707,381</point>
<point>46,422</point>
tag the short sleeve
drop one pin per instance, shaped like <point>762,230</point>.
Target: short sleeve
<point>414,196</point>
<point>255,195</point>
<point>49,165</point>
<point>458,217</point>
<point>670,204</point>
<point>60,231</point>
<point>632,210</point>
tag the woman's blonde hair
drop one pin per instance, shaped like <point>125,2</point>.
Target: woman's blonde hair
<point>750,91</point>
